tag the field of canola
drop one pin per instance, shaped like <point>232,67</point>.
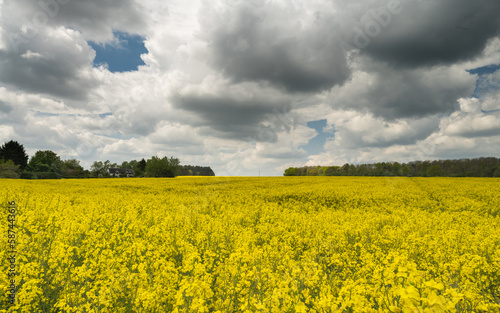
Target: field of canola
<point>285,244</point>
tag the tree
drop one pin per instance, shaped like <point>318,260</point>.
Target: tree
<point>497,172</point>
<point>396,168</point>
<point>480,167</point>
<point>332,171</point>
<point>45,161</point>
<point>405,170</point>
<point>139,167</point>
<point>99,168</point>
<point>15,152</point>
<point>142,165</point>
<point>434,170</point>
<point>352,170</point>
<point>291,171</point>
<point>72,168</point>
<point>345,169</point>
<point>8,169</point>
<point>192,170</point>
<point>164,167</point>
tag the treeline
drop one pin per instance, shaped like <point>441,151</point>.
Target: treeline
<point>15,163</point>
<point>479,167</point>
<point>192,170</point>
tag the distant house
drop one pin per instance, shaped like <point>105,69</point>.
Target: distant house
<point>120,172</point>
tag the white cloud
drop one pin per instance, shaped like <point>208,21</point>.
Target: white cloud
<point>6,133</point>
<point>231,84</point>
<point>31,55</point>
<point>471,121</point>
<point>176,135</point>
<point>355,130</point>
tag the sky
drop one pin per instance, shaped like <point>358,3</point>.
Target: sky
<point>251,86</point>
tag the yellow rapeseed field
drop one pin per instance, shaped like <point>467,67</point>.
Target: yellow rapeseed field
<point>285,244</point>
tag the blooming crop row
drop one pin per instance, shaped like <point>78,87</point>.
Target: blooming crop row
<point>287,244</point>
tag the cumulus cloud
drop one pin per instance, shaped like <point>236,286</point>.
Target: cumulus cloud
<point>61,69</point>
<point>287,44</point>
<point>471,121</point>
<point>177,135</point>
<point>232,84</point>
<point>6,132</point>
<point>429,33</point>
<point>407,93</point>
<point>234,112</point>
<point>356,130</point>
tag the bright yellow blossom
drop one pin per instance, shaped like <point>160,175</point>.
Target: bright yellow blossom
<point>288,244</point>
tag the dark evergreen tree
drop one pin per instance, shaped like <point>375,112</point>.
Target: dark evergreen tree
<point>15,152</point>
<point>191,170</point>
<point>142,165</point>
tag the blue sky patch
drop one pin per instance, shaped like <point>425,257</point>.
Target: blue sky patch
<point>124,57</point>
<point>481,87</point>
<point>316,145</point>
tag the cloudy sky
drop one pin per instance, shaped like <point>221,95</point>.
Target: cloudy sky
<point>252,85</point>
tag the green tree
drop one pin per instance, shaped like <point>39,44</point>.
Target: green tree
<point>134,164</point>
<point>45,161</point>
<point>434,170</point>
<point>396,169</point>
<point>497,172</point>
<point>8,169</point>
<point>72,168</point>
<point>405,170</point>
<point>291,171</point>
<point>345,169</point>
<point>15,152</point>
<point>332,171</point>
<point>99,168</point>
<point>164,167</point>
<point>139,167</point>
<point>312,172</point>
<point>353,170</point>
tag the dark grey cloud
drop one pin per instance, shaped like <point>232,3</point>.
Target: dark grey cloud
<point>55,69</point>
<point>278,44</point>
<point>92,17</point>
<point>404,93</point>
<point>95,19</point>
<point>428,32</point>
<point>229,117</point>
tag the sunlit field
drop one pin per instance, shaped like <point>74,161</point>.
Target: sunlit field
<point>285,244</point>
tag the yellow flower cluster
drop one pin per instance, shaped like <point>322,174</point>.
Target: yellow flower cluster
<point>285,244</point>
